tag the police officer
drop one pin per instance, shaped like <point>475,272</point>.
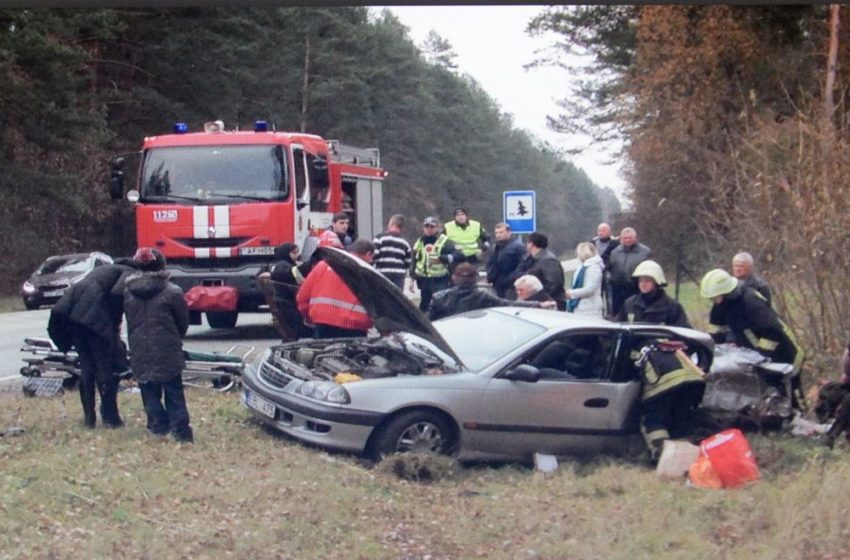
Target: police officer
<point>652,304</point>
<point>673,387</point>
<point>467,235</point>
<point>745,315</point>
<point>432,255</point>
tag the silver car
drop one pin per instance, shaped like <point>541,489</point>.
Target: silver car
<point>499,383</point>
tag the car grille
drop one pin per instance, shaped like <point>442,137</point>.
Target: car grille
<point>273,375</point>
<point>55,286</point>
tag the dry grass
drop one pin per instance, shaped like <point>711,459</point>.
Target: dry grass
<point>243,492</point>
<point>11,303</point>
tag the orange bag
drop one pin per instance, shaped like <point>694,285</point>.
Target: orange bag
<point>731,458</point>
<point>703,475</point>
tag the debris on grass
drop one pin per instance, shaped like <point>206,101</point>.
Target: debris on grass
<point>419,467</point>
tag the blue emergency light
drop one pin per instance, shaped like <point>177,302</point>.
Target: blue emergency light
<point>181,128</point>
<point>261,126</point>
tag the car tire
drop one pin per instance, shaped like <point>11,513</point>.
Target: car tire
<point>222,319</point>
<point>31,305</point>
<point>419,431</point>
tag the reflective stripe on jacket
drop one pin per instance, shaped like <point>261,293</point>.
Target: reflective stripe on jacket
<point>465,239</point>
<point>325,299</point>
<point>428,263</point>
<point>663,371</point>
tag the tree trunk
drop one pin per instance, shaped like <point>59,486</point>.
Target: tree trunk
<point>306,83</point>
<point>831,64</point>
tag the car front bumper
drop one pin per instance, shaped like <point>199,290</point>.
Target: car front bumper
<point>334,427</point>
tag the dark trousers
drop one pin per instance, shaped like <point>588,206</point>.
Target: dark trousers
<point>96,355</point>
<point>330,331</point>
<point>173,416</point>
<point>428,287</point>
<point>620,293</point>
<point>288,321</point>
<point>397,279</point>
<point>671,413</point>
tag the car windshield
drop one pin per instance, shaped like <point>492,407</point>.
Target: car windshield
<point>209,172</point>
<point>65,264</point>
<point>479,338</point>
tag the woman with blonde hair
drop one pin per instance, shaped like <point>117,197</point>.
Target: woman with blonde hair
<point>585,292</point>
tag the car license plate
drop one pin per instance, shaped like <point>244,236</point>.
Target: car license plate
<point>54,293</point>
<point>261,405</point>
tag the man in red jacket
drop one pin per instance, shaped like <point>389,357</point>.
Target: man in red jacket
<point>325,301</point>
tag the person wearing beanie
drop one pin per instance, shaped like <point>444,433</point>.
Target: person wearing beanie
<point>88,319</point>
<point>468,235</point>
<point>157,321</point>
<point>465,295</point>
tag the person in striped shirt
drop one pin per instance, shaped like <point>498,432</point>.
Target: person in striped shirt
<point>392,252</point>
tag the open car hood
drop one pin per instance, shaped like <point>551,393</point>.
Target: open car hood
<point>388,307</point>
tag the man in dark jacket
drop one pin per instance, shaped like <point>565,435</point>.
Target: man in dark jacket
<point>621,265</point>
<point>465,295</point>
<point>88,318</point>
<point>742,269</point>
<point>504,260</point>
<point>543,263</point>
<point>652,304</point>
<point>286,276</point>
<point>605,243</point>
<point>157,320</point>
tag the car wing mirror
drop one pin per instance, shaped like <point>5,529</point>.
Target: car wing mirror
<point>524,372</point>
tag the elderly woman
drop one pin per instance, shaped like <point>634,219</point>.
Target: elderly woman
<point>585,293</point>
<point>529,288</point>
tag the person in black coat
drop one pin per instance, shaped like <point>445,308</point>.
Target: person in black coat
<point>541,262</point>
<point>504,260</point>
<point>652,304</point>
<point>88,319</point>
<point>286,277</point>
<point>157,321</point>
<point>465,295</point>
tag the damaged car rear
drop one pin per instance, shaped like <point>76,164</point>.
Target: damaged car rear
<point>500,383</point>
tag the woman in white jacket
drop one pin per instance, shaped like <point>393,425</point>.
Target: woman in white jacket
<point>585,293</point>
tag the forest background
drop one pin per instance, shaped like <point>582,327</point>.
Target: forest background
<point>733,119</point>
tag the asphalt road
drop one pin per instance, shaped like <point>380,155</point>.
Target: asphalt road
<point>253,330</point>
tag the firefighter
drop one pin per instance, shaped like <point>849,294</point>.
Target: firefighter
<point>673,387</point>
<point>652,304</point>
<point>468,236</point>
<point>432,255</point>
<point>744,314</point>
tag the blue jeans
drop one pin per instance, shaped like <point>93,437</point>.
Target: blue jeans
<point>174,416</point>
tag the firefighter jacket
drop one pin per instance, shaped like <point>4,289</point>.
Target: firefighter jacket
<point>655,307</point>
<point>431,256</point>
<point>325,299</point>
<point>466,238</point>
<point>754,324</point>
<point>664,369</point>
<point>757,283</point>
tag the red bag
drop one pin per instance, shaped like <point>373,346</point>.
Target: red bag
<point>212,298</point>
<point>731,457</point>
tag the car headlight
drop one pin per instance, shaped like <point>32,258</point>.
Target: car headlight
<point>324,391</point>
<point>28,287</point>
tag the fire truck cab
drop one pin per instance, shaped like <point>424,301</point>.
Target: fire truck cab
<point>217,203</point>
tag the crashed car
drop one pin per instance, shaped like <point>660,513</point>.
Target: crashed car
<point>50,280</point>
<point>480,385</point>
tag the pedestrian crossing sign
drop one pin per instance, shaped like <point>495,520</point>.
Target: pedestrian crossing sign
<point>519,209</point>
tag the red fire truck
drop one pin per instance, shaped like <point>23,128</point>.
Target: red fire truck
<point>218,202</point>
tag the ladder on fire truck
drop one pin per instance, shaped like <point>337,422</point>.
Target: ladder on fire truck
<point>343,153</point>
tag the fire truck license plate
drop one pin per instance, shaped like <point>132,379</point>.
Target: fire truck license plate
<point>260,404</point>
<point>256,250</point>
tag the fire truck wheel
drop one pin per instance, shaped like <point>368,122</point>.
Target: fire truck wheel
<point>222,320</point>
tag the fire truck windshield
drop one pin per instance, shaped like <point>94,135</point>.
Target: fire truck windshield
<point>199,173</point>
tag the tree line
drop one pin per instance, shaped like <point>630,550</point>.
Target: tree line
<point>735,126</point>
<point>81,86</point>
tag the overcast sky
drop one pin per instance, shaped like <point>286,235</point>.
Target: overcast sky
<point>492,46</point>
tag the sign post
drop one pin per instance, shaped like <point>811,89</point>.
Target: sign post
<point>519,210</point>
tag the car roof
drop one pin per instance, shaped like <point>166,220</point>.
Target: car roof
<point>549,318</point>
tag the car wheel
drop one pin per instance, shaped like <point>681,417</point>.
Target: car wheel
<point>419,431</point>
<point>222,319</point>
<point>31,305</point>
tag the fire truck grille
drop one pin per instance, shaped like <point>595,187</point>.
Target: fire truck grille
<point>217,264</point>
<point>212,242</point>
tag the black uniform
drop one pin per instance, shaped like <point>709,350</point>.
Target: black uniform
<point>546,266</point>
<point>655,307</point>
<point>467,298</point>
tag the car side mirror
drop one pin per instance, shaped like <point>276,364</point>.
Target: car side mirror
<point>116,182</point>
<point>524,372</point>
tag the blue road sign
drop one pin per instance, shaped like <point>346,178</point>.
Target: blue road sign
<point>519,210</point>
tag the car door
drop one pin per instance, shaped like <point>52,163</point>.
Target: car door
<point>582,412</point>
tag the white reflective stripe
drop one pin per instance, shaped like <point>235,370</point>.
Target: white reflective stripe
<point>221,221</point>
<point>200,222</point>
<point>338,303</point>
<point>202,253</point>
<point>223,252</point>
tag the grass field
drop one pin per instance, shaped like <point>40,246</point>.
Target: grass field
<point>242,492</point>
<point>11,303</point>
